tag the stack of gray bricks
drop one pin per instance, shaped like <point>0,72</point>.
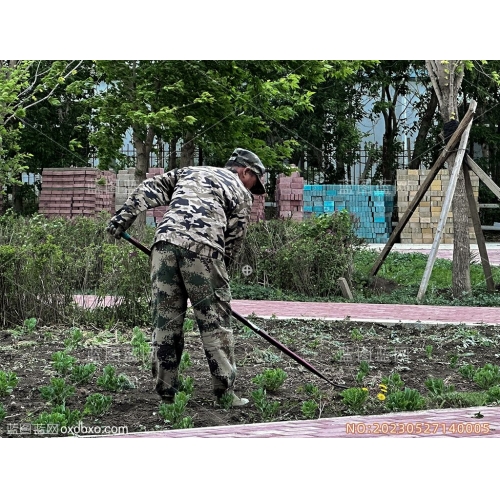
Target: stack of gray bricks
<point>125,185</point>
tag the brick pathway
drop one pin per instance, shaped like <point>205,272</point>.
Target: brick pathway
<point>432,423</point>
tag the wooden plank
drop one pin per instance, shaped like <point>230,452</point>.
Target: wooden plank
<point>489,205</point>
<point>424,187</point>
<point>445,209</point>
<point>490,228</point>
<point>344,287</point>
<point>483,176</point>
<point>481,243</point>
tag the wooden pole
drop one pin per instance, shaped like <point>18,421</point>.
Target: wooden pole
<point>483,176</point>
<point>444,212</point>
<point>423,188</point>
<point>481,243</point>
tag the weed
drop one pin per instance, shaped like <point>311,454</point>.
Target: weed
<point>186,384</point>
<point>249,333</point>
<point>270,379</point>
<point>81,374</point>
<point>266,408</point>
<point>173,413</point>
<point>8,380</point>
<point>97,405</point>
<point>406,400</point>
<point>188,325</point>
<point>356,334</point>
<point>111,382</point>
<point>266,356</point>
<point>464,399</point>
<point>487,376</point>
<point>309,409</point>
<point>74,340</point>
<point>337,357</point>
<point>185,362</point>
<point>467,371</point>
<point>354,398</point>
<point>363,370</point>
<point>59,416</point>
<point>62,363</point>
<point>493,395</point>
<point>140,347</point>
<point>428,351</point>
<point>3,413</point>
<point>393,382</point>
<point>453,360</point>
<point>437,387</point>
<point>57,392</point>
<point>29,325</point>
<point>226,401</point>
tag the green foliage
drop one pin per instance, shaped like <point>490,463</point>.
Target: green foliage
<point>112,382</point>
<point>3,413</point>
<point>309,409</point>
<point>487,376</point>
<point>428,351</point>
<point>356,335</point>
<point>188,325</point>
<point>393,382</point>
<point>60,415</point>
<point>363,370</point>
<point>312,391</point>
<point>74,340</point>
<point>467,371</point>
<point>97,405</point>
<point>57,392</point>
<point>186,384</point>
<point>173,414</point>
<point>493,395</point>
<point>62,362</point>
<point>270,379</point>
<point>299,257</point>
<point>8,380</point>
<point>81,374</point>
<point>354,398</point>
<point>268,409</point>
<point>405,400</point>
<point>437,387</point>
<point>140,347</point>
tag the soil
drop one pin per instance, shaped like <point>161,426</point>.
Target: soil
<point>332,347</point>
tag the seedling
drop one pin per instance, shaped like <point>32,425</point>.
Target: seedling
<point>29,325</point>
<point>428,351</point>
<point>467,371</point>
<point>354,398</point>
<point>60,416</point>
<point>140,347</point>
<point>3,413</point>
<point>309,409</point>
<point>453,360</point>
<point>356,334</point>
<point>8,380</point>
<point>437,387</point>
<point>487,377</point>
<point>188,325</point>
<point>312,391</point>
<point>81,374</point>
<point>62,362</point>
<point>364,369</point>
<point>270,379</point>
<point>74,340</point>
<point>266,408</point>
<point>173,413</point>
<point>111,382</point>
<point>97,405</point>
<point>57,392</point>
<point>393,382</point>
<point>406,400</point>
<point>337,357</point>
<point>493,395</point>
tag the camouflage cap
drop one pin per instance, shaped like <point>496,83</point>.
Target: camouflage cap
<point>244,158</point>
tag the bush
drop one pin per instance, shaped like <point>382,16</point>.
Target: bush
<point>300,257</point>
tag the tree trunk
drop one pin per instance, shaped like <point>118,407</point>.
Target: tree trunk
<point>446,77</point>
<point>425,125</point>
<point>187,151</point>
<point>172,153</point>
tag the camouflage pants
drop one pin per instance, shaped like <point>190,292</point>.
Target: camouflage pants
<point>176,274</point>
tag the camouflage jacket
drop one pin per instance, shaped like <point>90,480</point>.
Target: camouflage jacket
<point>208,209</point>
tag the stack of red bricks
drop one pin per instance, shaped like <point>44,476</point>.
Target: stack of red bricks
<point>289,196</point>
<point>158,212</point>
<point>257,214</point>
<point>72,192</point>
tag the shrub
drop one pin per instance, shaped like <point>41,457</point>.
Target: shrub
<point>8,380</point>
<point>112,382</point>
<point>97,405</point>
<point>57,392</point>
<point>406,400</point>
<point>488,376</point>
<point>270,379</point>
<point>354,398</point>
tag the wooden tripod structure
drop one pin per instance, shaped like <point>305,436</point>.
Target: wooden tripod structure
<point>462,161</point>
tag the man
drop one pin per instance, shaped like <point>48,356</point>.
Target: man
<point>202,230</point>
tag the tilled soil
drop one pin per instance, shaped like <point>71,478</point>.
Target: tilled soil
<point>335,348</point>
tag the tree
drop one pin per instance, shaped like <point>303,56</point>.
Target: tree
<point>24,84</point>
<point>446,78</point>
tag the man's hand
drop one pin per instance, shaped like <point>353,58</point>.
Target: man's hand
<point>115,229</point>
